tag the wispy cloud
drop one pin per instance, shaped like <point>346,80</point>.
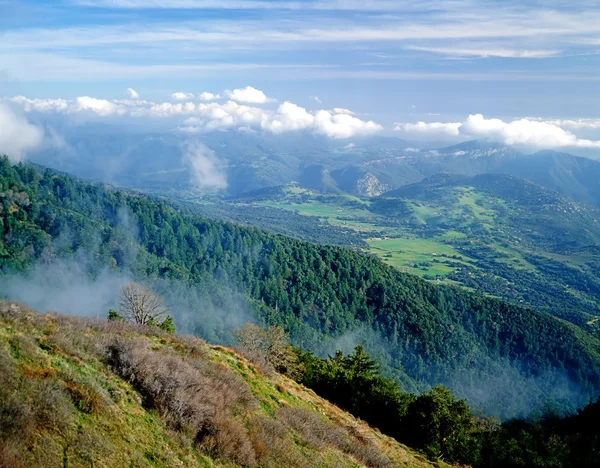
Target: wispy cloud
<point>54,67</point>
<point>132,93</point>
<point>335,5</point>
<point>487,52</point>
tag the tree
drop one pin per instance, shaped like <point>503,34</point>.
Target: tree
<point>113,316</point>
<point>168,325</point>
<point>360,362</point>
<point>440,425</point>
<point>141,305</point>
<point>267,346</point>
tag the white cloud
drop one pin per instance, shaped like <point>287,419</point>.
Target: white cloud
<point>132,93</point>
<point>102,107</point>
<point>592,124</point>
<point>527,132</point>
<point>41,105</point>
<point>216,116</point>
<point>248,95</point>
<point>289,117</point>
<point>205,168</point>
<point>206,96</point>
<point>167,109</point>
<point>181,96</point>
<point>341,110</point>
<point>317,99</point>
<point>429,129</point>
<point>17,135</point>
<point>344,125</point>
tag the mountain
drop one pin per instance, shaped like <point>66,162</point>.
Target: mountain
<point>318,178</point>
<point>493,233</point>
<point>67,245</point>
<point>81,392</point>
<point>158,162</point>
<point>572,176</point>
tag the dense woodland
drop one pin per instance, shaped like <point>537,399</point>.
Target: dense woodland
<point>505,359</point>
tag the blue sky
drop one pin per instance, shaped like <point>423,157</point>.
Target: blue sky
<point>388,61</point>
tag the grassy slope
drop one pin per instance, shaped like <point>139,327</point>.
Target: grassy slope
<point>62,405</point>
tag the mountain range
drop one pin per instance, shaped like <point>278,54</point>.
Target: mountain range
<point>157,162</point>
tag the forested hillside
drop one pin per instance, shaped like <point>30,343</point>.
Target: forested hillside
<point>507,360</point>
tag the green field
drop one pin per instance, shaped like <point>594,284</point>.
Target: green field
<point>395,245</point>
<point>418,256</point>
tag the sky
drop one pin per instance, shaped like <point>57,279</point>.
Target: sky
<point>522,72</point>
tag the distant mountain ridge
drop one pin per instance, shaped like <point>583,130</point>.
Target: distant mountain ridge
<point>363,166</point>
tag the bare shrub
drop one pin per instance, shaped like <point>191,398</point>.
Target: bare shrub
<point>273,444</point>
<point>8,371</point>
<point>141,305</point>
<point>192,396</point>
<point>15,418</point>
<point>51,407</point>
<point>268,348</point>
<point>370,455</point>
<point>89,447</point>
<point>363,448</point>
<point>227,439</point>
<point>16,313</point>
<point>319,433</point>
<point>312,428</point>
<point>11,454</point>
<point>25,347</point>
<point>192,346</point>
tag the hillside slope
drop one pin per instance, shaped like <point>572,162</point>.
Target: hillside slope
<point>81,392</point>
<point>56,228</point>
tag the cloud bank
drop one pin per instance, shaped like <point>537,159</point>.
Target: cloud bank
<point>525,132</point>
<point>243,110</point>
